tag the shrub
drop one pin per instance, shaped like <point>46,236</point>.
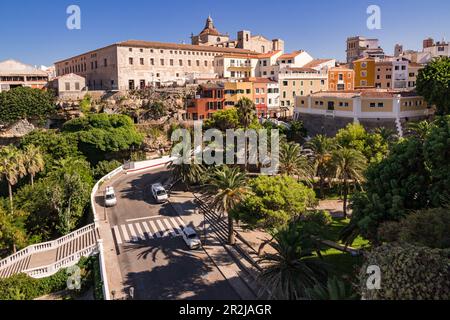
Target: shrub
<point>430,228</point>
<point>408,273</point>
<point>105,167</point>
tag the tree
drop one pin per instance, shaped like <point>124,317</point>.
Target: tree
<point>407,273</point>
<point>12,231</point>
<point>25,103</point>
<point>296,131</point>
<point>33,161</point>
<point>433,83</point>
<point>371,145</point>
<point>335,289</point>
<point>246,111</point>
<point>423,228</point>
<point>293,163</point>
<point>288,273</point>
<point>223,120</point>
<point>11,169</point>
<point>101,134</point>
<point>322,148</point>
<point>388,135</point>
<point>414,176</point>
<point>187,174</point>
<point>274,202</point>
<point>349,166</point>
<point>228,188</point>
<point>105,167</point>
<point>419,129</point>
<point>53,146</point>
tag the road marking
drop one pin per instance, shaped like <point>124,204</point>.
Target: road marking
<point>155,229</point>
<point>169,227</point>
<point>139,219</point>
<point>147,230</point>
<point>141,234</point>
<point>175,227</point>
<point>163,230</point>
<point>117,234</point>
<point>125,233</point>
<point>133,232</point>
<point>180,222</point>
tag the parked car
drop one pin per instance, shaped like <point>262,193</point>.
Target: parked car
<point>159,193</point>
<point>110,197</point>
<point>191,238</point>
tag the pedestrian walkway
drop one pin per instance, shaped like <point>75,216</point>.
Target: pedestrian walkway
<point>148,229</point>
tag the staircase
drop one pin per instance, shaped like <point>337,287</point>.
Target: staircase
<point>398,124</point>
<point>45,259</point>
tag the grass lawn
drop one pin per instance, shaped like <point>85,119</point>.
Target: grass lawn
<point>342,264</point>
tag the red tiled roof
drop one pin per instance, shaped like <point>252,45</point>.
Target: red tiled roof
<point>290,55</point>
<point>268,55</point>
<point>315,63</point>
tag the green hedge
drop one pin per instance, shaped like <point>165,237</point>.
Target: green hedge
<point>23,287</point>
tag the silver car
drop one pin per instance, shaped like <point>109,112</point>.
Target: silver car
<point>191,238</point>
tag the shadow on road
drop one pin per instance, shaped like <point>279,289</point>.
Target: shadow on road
<point>171,273</point>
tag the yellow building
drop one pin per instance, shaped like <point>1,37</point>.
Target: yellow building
<point>235,91</point>
<point>364,73</point>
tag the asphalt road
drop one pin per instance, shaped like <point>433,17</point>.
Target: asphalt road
<point>159,268</point>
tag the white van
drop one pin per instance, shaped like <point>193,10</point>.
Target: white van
<point>159,193</point>
<point>110,197</point>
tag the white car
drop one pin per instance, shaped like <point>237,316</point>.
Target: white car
<point>191,238</point>
<point>159,193</point>
<point>110,197</point>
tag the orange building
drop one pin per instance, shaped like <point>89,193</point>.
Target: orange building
<point>208,100</point>
<point>341,79</point>
<point>364,73</point>
<point>260,90</point>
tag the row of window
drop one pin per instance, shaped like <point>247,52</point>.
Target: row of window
<point>341,76</point>
<point>311,83</point>
<point>181,52</point>
<point>171,62</point>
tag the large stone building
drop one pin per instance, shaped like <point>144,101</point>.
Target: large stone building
<point>210,36</point>
<point>17,74</point>
<point>136,64</point>
<point>361,47</point>
<point>327,112</point>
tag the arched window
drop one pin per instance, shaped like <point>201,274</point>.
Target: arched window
<point>263,49</point>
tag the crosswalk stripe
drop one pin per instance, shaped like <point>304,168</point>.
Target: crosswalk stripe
<point>169,227</point>
<point>125,233</point>
<point>133,232</point>
<point>155,229</point>
<point>180,222</point>
<point>139,230</point>
<point>147,229</point>
<point>117,233</point>
<point>175,226</point>
<point>162,229</point>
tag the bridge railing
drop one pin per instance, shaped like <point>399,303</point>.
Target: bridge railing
<point>46,246</point>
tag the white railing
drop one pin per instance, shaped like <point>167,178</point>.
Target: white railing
<point>46,246</point>
<point>49,270</point>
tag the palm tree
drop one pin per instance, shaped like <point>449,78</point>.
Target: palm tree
<point>419,129</point>
<point>322,148</point>
<point>349,166</point>
<point>11,168</point>
<point>186,173</point>
<point>293,163</point>
<point>228,188</point>
<point>288,273</point>
<point>247,113</point>
<point>33,161</point>
<point>336,289</point>
<point>388,135</point>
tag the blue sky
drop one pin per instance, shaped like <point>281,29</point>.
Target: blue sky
<point>35,31</point>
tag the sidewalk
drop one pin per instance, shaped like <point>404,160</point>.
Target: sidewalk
<point>230,262</point>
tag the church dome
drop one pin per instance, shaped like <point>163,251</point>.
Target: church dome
<point>209,28</point>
